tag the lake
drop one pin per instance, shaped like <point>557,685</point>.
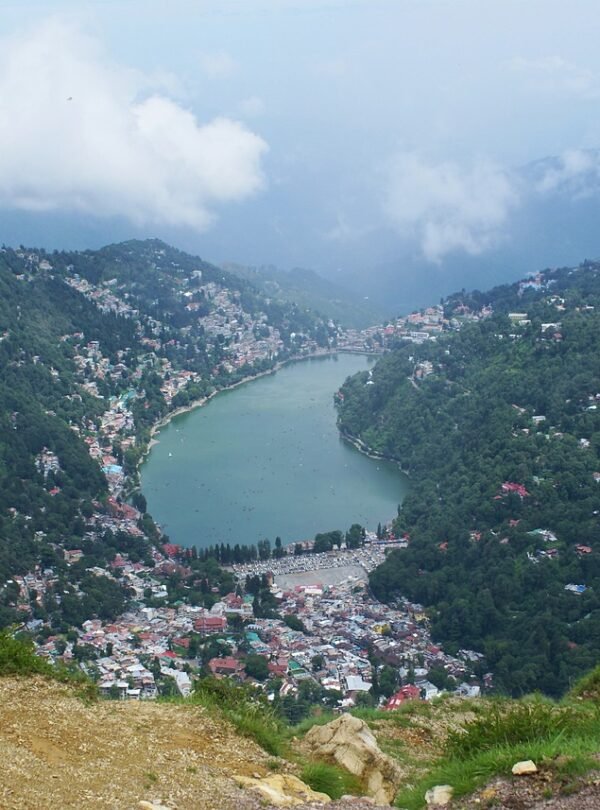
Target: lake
<point>266,459</point>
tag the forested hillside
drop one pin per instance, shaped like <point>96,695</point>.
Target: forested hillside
<point>308,289</point>
<point>498,424</point>
<point>95,347</point>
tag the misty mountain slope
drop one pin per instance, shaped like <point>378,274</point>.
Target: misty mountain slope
<point>309,289</point>
<point>553,221</point>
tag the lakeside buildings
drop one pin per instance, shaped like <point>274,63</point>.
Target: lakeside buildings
<point>148,643</point>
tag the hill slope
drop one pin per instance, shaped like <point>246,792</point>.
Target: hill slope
<point>308,289</point>
<point>95,348</point>
<point>499,427</point>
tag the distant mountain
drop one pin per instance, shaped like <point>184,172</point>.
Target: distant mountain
<point>309,289</point>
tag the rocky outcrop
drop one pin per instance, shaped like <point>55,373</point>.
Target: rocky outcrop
<point>349,742</point>
<point>283,790</point>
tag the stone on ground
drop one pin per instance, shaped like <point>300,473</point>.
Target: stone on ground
<point>349,743</point>
<point>283,790</point>
<point>524,767</point>
<point>439,796</point>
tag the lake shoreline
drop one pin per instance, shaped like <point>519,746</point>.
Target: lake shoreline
<point>364,448</point>
<point>296,457</point>
<point>202,401</point>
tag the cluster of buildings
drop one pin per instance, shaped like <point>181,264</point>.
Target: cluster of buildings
<point>343,627</point>
<point>417,327</point>
<point>102,295</point>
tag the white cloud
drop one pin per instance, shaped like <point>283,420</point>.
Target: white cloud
<point>446,207</point>
<point>576,170</point>
<point>76,133</point>
<point>347,232</point>
<point>217,64</point>
<point>554,75</point>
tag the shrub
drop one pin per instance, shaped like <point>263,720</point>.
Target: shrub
<point>17,657</point>
<point>245,709</point>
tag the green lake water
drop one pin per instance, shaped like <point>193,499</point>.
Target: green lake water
<point>266,459</point>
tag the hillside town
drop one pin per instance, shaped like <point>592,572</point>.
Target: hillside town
<point>159,640</point>
<point>343,626</point>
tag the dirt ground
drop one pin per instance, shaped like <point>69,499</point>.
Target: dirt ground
<point>58,752</point>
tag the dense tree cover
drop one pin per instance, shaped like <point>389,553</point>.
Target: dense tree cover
<point>506,404</point>
<point>39,406</point>
<point>53,392</point>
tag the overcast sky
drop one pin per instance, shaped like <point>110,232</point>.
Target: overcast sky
<point>295,132</point>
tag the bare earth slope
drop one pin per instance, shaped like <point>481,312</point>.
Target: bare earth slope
<point>57,752</point>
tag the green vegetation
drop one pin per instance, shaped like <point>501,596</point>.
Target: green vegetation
<point>335,782</point>
<point>82,331</point>
<point>561,738</point>
<point>248,711</point>
<point>308,289</point>
<point>18,657</point>
<point>502,440</point>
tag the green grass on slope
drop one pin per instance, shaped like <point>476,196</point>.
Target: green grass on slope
<point>330,779</point>
<point>17,657</point>
<point>250,714</point>
<point>562,735</point>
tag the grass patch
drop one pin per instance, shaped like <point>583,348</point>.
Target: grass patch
<point>520,723</point>
<point>247,711</point>
<point>18,657</point>
<point>588,687</point>
<point>329,779</point>
<point>562,738</point>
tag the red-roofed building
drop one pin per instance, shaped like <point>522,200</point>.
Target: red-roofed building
<point>408,692</point>
<point>118,562</point>
<point>233,601</point>
<point>171,550</point>
<point>519,489</point>
<point>225,666</point>
<point>210,624</point>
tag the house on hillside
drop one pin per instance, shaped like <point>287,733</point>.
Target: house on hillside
<point>408,692</point>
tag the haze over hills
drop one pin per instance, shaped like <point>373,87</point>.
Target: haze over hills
<point>552,220</point>
<point>547,216</point>
<point>97,346</point>
<point>410,155</point>
<point>308,289</point>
